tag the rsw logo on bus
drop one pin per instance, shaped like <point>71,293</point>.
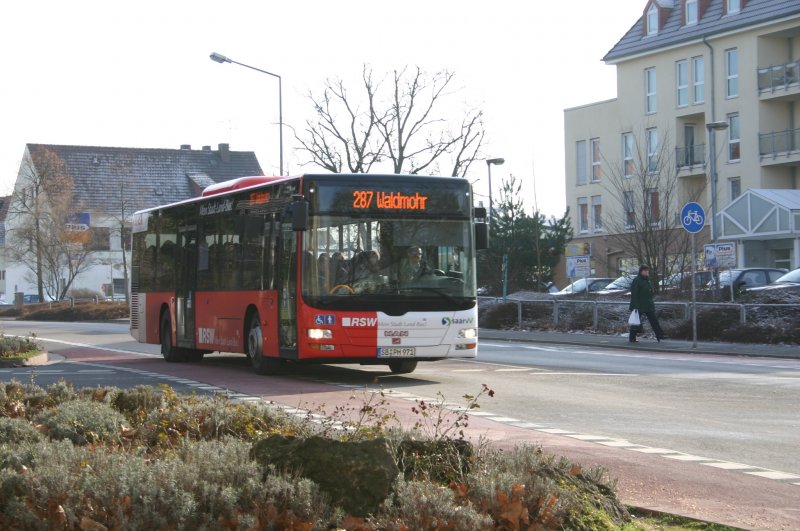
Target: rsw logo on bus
<point>359,321</point>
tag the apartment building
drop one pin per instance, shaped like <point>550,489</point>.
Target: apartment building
<point>688,70</point>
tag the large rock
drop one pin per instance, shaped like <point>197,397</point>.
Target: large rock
<point>358,476</point>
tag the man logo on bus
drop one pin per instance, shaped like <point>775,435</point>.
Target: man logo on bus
<point>447,321</point>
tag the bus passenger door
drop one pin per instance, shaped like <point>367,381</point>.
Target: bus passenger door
<point>287,290</point>
<point>186,279</point>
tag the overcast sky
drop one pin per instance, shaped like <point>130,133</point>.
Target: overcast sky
<point>138,74</point>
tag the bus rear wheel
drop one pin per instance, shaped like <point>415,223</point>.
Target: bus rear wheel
<point>402,366</point>
<point>170,352</point>
<point>255,349</point>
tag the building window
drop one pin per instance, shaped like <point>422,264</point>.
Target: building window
<point>652,150</point>
<point>733,137</point>
<point>597,213</point>
<point>733,6</point>
<point>682,79</point>
<point>583,215</point>
<point>99,239</point>
<point>691,12</point>
<point>652,20</point>
<point>734,188</point>
<point>732,72</point>
<point>596,170</point>
<point>630,214</point>
<point>627,154</point>
<point>580,162</point>
<point>699,77</point>
<point>652,209</point>
<point>650,102</point>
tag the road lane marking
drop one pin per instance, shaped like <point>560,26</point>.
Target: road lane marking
<point>773,474</point>
<point>582,374</point>
<point>687,457</point>
<point>94,347</point>
<point>726,465</point>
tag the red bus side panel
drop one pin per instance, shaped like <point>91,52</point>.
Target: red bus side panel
<point>220,319</point>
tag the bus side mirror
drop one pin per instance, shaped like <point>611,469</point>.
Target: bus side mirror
<point>299,215</point>
<point>481,236</point>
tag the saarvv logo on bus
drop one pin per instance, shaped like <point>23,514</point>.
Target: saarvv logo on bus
<point>359,321</point>
<point>447,321</point>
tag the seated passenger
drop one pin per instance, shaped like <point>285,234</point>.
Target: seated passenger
<point>366,271</point>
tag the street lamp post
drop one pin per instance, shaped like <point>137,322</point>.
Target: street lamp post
<point>498,161</point>
<point>219,58</point>
<point>712,127</point>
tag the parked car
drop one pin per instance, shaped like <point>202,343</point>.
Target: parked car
<point>620,285</point>
<point>789,281</point>
<point>747,278</point>
<point>582,285</point>
<point>683,280</point>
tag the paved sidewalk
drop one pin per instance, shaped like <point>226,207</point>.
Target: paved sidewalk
<point>644,343</point>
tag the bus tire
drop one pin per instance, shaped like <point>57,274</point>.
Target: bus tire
<point>170,352</point>
<point>255,349</point>
<point>402,366</point>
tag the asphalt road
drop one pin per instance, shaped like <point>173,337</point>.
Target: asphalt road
<point>718,417</point>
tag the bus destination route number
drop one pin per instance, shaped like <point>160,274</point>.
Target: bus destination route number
<point>366,199</point>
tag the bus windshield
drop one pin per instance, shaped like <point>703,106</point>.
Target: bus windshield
<point>414,248</point>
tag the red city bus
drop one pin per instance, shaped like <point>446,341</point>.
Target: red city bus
<point>370,269</point>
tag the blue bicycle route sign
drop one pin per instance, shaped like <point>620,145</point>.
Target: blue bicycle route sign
<point>693,217</point>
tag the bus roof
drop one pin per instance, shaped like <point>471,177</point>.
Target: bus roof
<point>237,184</point>
<point>242,183</point>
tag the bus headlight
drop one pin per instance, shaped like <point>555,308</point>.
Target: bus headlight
<point>320,333</point>
<point>468,333</point>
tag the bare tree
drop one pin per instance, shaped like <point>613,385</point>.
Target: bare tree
<point>397,120</point>
<point>649,194</point>
<point>344,134</point>
<point>41,236</point>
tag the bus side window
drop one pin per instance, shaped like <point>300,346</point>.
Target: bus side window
<point>252,251</point>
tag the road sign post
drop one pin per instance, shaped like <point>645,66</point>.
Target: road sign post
<point>693,218</point>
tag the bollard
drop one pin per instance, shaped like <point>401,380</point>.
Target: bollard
<point>555,312</point>
<point>72,302</point>
<point>519,314</point>
<point>594,316</point>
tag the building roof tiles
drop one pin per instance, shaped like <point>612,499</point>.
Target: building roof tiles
<point>712,22</point>
<point>147,177</point>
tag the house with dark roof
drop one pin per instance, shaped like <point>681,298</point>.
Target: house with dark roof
<point>109,183</point>
<point>708,94</point>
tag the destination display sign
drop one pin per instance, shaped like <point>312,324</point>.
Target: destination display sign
<point>389,200</point>
<point>391,196</point>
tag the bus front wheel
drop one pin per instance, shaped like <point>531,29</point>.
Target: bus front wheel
<point>402,366</point>
<point>255,349</point>
<point>170,352</point>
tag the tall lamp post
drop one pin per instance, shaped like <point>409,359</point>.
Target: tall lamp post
<point>498,161</point>
<point>219,58</point>
<point>712,128</point>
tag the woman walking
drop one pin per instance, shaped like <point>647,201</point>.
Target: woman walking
<point>642,301</point>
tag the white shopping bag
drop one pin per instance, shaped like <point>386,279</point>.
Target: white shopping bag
<point>633,320</point>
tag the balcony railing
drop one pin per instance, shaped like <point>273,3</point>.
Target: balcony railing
<point>778,143</point>
<point>688,156</point>
<point>778,76</point>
